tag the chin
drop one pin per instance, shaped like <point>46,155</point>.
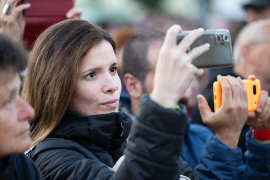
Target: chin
<point>23,145</point>
<point>110,111</point>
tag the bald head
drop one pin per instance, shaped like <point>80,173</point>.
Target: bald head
<point>253,33</point>
<point>252,52</point>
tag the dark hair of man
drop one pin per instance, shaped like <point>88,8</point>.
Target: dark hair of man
<point>13,57</point>
<point>135,54</point>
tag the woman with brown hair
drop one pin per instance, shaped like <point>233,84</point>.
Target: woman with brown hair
<point>78,131</point>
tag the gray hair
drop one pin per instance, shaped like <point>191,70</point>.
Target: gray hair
<point>251,33</point>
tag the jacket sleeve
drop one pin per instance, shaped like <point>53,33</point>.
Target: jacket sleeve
<point>219,161</point>
<point>155,143</point>
<point>257,160</point>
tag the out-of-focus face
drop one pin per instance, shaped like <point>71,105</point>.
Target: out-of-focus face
<point>99,86</point>
<point>153,53</point>
<point>255,14</point>
<point>261,55</point>
<point>14,116</point>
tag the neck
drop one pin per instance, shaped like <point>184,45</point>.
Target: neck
<point>245,71</point>
<point>265,86</point>
<point>135,105</point>
<point>242,71</point>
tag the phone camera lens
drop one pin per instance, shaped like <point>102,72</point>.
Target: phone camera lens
<point>226,38</point>
<point>218,38</point>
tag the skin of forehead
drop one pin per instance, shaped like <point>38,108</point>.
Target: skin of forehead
<point>5,77</point>
<point>153,52</point>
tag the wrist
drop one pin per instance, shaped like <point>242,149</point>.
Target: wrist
<point>262,142</point>
<point>163,99</point>
<point>229,140</point>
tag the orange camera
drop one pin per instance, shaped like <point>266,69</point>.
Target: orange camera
<point>253,88</point>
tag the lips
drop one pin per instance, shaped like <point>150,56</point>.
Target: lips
<point>23,133</point>
<point>111,103</point>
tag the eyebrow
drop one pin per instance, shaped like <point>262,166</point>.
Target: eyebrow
<point>97,69</point>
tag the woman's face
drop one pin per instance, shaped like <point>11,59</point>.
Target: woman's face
<point>98,88</point>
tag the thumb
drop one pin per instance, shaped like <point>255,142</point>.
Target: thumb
<point>251,114</point>
<point>205,110</point>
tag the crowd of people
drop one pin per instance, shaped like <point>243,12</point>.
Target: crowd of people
<point>68,116</point>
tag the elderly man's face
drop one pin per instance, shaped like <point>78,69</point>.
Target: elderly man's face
<point>14,116</point>
<point>255,14</point>
<point>260,52</point>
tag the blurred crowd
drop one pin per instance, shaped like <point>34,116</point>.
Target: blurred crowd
<point>123,101</point>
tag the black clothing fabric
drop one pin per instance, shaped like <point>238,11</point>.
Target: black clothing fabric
<point>87,148</point>
<point>209,96</point>
<point>18,167</point>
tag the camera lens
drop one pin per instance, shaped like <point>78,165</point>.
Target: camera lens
<point>218,38</point>
<point>226,38</point>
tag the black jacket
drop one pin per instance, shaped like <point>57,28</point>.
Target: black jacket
<point>88,147</point>
<point>18,167</point>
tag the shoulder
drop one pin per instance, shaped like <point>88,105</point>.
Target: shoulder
<point>59,145</point>
<point>64,159</point>
<point>59,150</point>
<point>26,167</point>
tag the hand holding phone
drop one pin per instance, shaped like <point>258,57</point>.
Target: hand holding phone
<point>220,54</point>
<point>174,71</point>
<point>253,88</point>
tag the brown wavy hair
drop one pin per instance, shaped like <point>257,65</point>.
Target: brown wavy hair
<point>53,71</point>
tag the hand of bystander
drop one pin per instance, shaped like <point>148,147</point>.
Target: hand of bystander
<point>260,119</point>
<point>229,120</point>
<point>11,19</point>
<point>174,70</point>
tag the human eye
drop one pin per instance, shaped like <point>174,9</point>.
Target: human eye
<point>91,75</point>
<point>8,101</point>
<point>114,69</point>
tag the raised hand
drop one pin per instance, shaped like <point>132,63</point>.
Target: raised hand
<point>260,119</point>
<point>74,13</point>
<point>174,71</point>
<point>12,21</point>
<point>229,120</point>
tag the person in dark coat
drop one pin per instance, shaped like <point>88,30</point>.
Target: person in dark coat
<point>14,116</point>
<point>251,56</point>
<point>139,62</point>
<point>78,131</point>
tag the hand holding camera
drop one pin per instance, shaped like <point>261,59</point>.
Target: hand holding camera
<point>229,120</point>
<point>260,118</point>
<point>174,71</point>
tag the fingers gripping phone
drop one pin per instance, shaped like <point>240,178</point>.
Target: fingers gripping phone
<point>220,52</point>
<point>41,15</point>
<point>253,88</point>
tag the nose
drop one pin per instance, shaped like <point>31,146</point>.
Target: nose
<point>26,111</point>
<point>110,85</point>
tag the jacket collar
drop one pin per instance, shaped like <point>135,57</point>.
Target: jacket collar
<point>105,132</point>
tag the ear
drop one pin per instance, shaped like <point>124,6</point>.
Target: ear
<point>133,86</point>
<point>246,54</point>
